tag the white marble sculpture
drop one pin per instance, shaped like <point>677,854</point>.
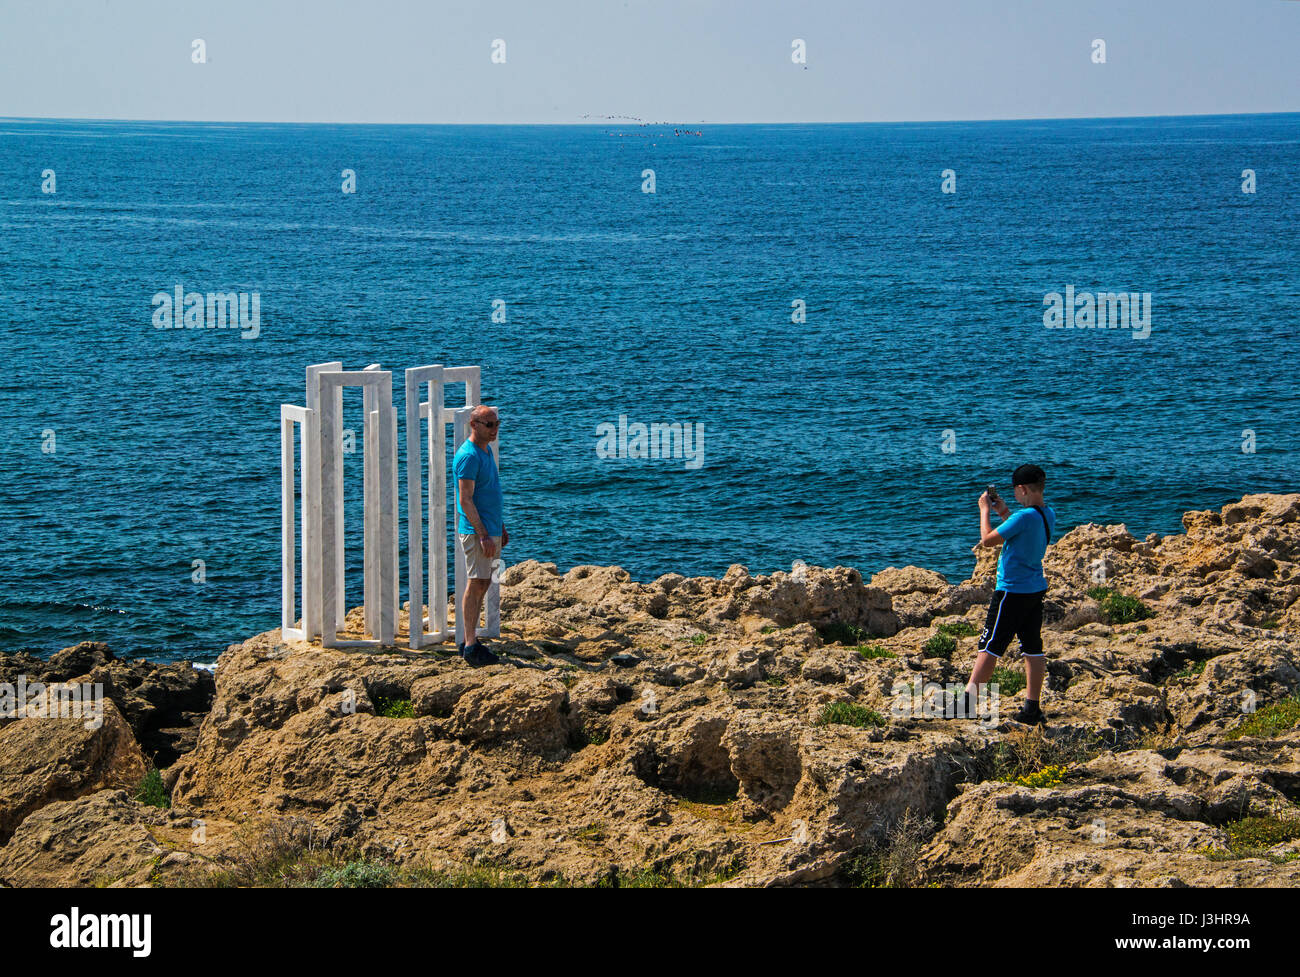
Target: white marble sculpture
<point>321,492</point>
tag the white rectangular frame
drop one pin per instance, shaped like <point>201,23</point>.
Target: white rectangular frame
<point>380,531</point>
<point>436,377</point>
<point>290,416</point>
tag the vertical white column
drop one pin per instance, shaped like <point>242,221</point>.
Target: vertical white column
<point>439,618</point>
<point>473,386</point>
<point>330,417</point>
<point>340,592</point>
<point>336,604</point>
<point>370,521</point>
<point>414,514</point>
<point>288,576</point>
<point>372,476</point>
<point>313,478</point>
<point>311,510</point>
<point>386,498</point>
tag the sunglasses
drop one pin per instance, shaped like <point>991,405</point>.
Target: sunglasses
<point>489,423</point>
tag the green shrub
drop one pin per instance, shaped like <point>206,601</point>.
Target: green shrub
<point>1009,680</point>
<point>689,874</point>
<point>1275,718</point>
<point>958,629</point>
<point>392,708</point>
<point>1192,670</point>
<point>875,651</point>
<point>893,863</point>
<point>699,639</point>
<point>356,875</point>
<point>1117,608</point>
<point>940,646</point>
<point>842,633</point>
<point>151,790</point>
<point>850,714</point>
<point>1254,834</point>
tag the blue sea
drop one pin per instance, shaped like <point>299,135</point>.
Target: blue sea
<point>862,435</point>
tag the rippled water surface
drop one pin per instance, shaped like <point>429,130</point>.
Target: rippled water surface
<point>823,440</point>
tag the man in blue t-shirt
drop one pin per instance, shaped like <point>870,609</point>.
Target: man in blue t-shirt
<point>1017,606</point>
<point>480,526</point>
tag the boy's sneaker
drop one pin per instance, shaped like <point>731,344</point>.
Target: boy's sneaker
<point>477,655</point>
<point>1030,716</point>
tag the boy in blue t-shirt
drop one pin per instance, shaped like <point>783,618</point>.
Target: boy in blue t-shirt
<point>1017,606</point>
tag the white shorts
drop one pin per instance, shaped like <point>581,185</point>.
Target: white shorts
<point>478,563</point>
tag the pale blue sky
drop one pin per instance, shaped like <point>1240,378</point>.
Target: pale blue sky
<point>660,60</point>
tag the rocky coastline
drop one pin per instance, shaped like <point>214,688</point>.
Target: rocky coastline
<point>742,731</point>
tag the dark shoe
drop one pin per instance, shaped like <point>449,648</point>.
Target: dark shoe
<point>478,656</point>
<point>1030,717</point>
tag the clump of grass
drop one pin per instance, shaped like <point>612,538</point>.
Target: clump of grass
<point>958,629</point>
<point>1156,740</point>
<point>874,651</point>
<point>392,708</point>
<point>1009,681</point>
<point>283,853</point>
<point>643,877</point>
<point>774,680</point>
<point>699,639</point>
<point>1192,670</point>
<point>151,790</point>
<point>849,714</point>
<point>1049,776</point>
<point>693,871</point>
<point>1270,624</point>
<point>1025,754</point>
<point>940,646</point>
<point>355,875</point>
<point>1275,718</point>
<point>596,735</point>
<point>767,629</point>
<point>487,875</point>
<point>841,633</point>
<point>1252,837</point>
<point>1117,608</point>
<point>1255,833</point>
<point>893,863</point>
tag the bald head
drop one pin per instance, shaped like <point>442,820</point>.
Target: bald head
<point>483,424</point>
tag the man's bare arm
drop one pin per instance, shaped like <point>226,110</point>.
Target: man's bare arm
<point>466,488</point>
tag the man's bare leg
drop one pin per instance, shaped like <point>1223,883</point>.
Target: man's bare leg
<point>472,604</point>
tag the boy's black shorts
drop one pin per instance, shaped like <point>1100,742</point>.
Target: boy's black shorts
<point>1014,615</point>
